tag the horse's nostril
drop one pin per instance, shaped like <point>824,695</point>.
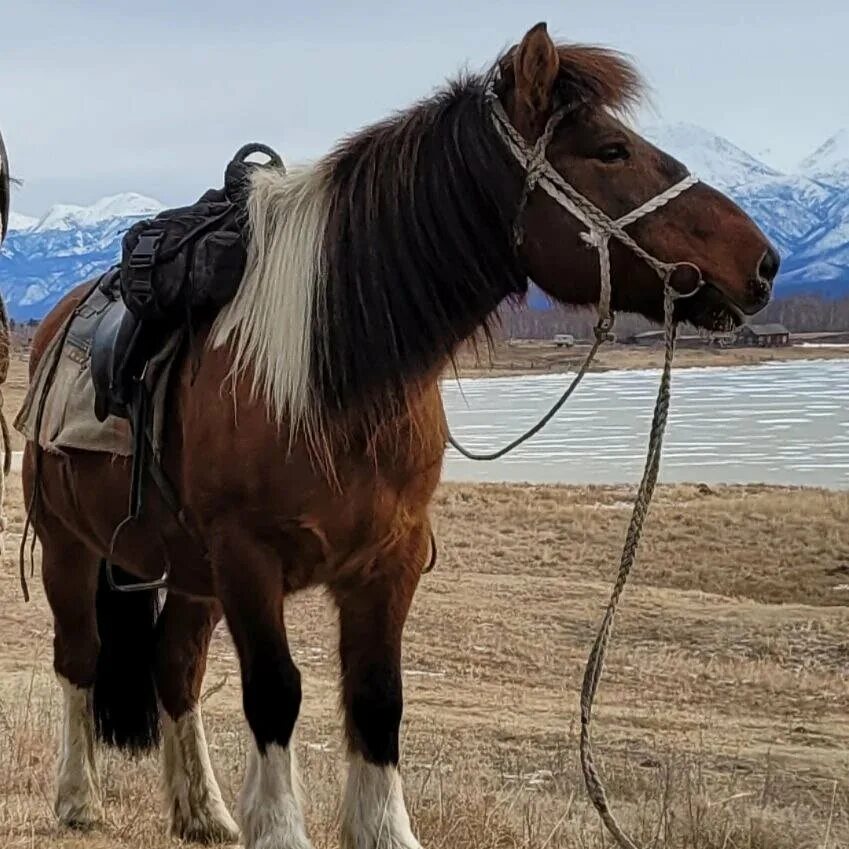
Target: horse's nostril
<point>770,262</point>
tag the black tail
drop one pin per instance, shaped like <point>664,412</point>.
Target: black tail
<point>126,712</point>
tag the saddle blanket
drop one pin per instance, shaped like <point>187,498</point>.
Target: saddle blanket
<point>68,419</point>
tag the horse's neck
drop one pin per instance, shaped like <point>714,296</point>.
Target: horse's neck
<point>404,436</point>
<point>412,437</point>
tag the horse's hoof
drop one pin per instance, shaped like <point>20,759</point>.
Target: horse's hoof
<point>214,828</point>
<point>382,840</point>
<point>79,816</point>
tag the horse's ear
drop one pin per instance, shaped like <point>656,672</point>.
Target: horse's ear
<point>536,65</point>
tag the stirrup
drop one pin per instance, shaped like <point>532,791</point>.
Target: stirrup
<point>143,586</point>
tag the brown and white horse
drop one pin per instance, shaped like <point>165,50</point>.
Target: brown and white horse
<point>307,438</point>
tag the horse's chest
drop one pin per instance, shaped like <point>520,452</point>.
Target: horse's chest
<point>317,511</point>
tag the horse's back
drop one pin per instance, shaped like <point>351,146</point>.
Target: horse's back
<point>52,323</point>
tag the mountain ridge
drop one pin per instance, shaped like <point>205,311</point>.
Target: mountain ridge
<point>805,213</point>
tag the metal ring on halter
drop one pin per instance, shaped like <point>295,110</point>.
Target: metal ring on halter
<point>700,282</point>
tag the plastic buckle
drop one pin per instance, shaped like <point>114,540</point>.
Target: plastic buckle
<point>144,253</point>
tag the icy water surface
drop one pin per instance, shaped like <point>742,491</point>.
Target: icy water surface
<point>782,423</point>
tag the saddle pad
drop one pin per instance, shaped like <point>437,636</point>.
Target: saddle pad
<point>69,420</point>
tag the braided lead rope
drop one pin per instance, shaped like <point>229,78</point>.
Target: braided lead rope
<point>602,335</point>
<point>600,229</point>
<point>595,662</point>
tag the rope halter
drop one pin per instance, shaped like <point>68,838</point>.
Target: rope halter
<point>600,227</point>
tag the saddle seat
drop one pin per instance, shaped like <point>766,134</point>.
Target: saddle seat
<point>119,346</point>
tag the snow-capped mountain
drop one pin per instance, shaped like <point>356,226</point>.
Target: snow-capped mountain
<point>68,217</point>
<point>43,258</point>
<point>716,160</point>
<point>789,207</point>
<point>20,223</point>
<point>830,162</point>
<point>805,213</point>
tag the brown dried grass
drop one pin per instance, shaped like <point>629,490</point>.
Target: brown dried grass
<point>723,720</point>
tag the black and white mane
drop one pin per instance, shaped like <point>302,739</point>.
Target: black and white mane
<point>366,270</point>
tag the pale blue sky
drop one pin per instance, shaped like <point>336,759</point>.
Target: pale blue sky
<point>102,97</point>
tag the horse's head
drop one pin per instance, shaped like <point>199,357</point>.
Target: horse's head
<point>565,99</point>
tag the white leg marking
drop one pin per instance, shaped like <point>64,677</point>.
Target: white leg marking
<point>196,809</point>
<point>374,815</point>
<point>78,802</point>
<point>270,805</point>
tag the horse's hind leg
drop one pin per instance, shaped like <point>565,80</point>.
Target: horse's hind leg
<point>70,574</point>
<point>371,619</point>
<point>195,807</point>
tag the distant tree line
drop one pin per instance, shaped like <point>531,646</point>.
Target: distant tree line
<point>799,315</point>
<point>525,323</point>
<point>807,314</point>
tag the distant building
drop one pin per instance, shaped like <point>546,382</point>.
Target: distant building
<point>653,338</point>
<point>649,337</point>
<point>762,335</point>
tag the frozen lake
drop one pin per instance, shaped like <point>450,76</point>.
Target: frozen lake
<point>783,423</point>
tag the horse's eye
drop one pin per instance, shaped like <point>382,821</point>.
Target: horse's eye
<point>615,152</point>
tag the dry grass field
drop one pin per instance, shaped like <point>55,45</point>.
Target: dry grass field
<point>722,722</point>
<point>14,390</point>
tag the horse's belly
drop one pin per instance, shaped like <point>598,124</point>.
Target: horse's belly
<point>88,493</point>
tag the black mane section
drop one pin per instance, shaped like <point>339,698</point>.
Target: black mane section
<point>419,247</point>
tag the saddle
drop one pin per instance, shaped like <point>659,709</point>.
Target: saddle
<point>184,263</point>
<point>119,351</point>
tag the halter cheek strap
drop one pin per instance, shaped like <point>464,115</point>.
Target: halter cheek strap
<point>600,228</point>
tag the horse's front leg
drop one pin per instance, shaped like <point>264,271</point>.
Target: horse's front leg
<point>372,613</point>
<point>249,582</point>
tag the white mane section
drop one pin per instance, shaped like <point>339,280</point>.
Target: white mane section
<point>269,322</point>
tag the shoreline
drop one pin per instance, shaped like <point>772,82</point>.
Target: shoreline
<point>519,358</point>
<point>494,482</point>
